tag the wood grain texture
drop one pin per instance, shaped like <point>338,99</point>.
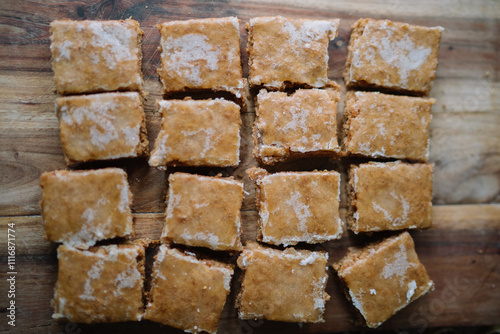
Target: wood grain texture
<point>461,253</point>
<point>466,87</point>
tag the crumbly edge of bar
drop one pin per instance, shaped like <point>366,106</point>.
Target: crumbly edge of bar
<point>256,174</point>
<point>348,114</point>
<point>357,31</point>
<point>142,150</point>
<point>140,33</point>
<point>351,199</point>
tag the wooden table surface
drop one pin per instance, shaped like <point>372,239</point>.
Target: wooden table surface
<point>461,252</point>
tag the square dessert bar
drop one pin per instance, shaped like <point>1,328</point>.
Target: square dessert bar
<point>389,196</point>
<point>392,56</point>
<point>96,56</point>
<point>383,278</point>
<point>283,52</point>
<point>298,125</point>
<point>204,211</point>
<point>80,208</point>
<point>187,293</point>
<point>198,133</point>
<point>103,284</point>
<point>386,126</point>
<point>201,55</point>
<point>102,126</point>
<point>284,285</point>
<point>297,206</point>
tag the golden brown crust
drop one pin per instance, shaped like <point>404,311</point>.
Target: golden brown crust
<point>383,278</point>
<point>297,206</point>
<point>198,133</point>
<point>298,125</point>
<point>196,290</point>
<point>390,196</point>
<point>277,47</point>
<point>96,56</point>
<point>282,285</point>
<point>386,126</point>
<point>392,56</point>
<point>80,208</point>
<point>201,54</point>
<point>102,126</point>
<point>204,211</point>
<point>103,284</point>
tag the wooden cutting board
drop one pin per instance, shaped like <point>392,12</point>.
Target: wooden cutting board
<point>461,253</point>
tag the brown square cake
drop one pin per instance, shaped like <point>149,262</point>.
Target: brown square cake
<point>96,56</point>
<point>284,285</point>
<point>392,56</point>
<point>198,133</point>
<point>80,208</point>
<point>383,278</point>
<point>389,196</point>
<point>298,125</point>
<point>201,54</point>
<point>285,51</point>
<point>297,206</point>
<point>102,126</point>
<point>103,284</point>
<point>204,211</point>
<point>386,126</point>
<point>187,293</point>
